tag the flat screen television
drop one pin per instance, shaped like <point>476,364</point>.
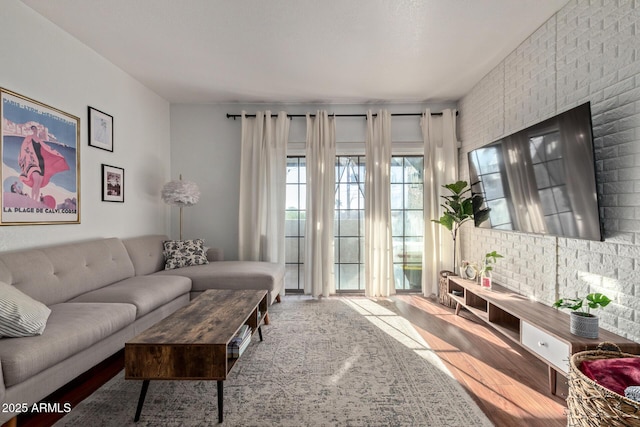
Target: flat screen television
<point>541,179</point>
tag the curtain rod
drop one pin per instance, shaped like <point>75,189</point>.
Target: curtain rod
<point>235,116</point>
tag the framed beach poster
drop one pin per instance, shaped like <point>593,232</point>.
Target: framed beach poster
<point>112,184</point>
<point>100,130</point>
<point>40,151</point>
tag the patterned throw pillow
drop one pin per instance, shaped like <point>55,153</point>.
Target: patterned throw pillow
<point>20,315</point>
<point>183,253</point>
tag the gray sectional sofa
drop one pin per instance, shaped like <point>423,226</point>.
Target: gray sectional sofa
<point>101,293</point>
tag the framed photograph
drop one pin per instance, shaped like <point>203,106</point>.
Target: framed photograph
<point>112,184</point>
<point>468,270</point>
<point>40,174</point>
<point>100,130</point>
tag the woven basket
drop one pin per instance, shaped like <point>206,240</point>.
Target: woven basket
<point>590,404</point>
<point>443,295</point>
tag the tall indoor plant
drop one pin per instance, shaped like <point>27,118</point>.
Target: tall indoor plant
<point>459,207</point>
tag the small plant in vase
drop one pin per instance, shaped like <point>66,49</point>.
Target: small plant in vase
<point>582,322</point>
<point>486,268</point>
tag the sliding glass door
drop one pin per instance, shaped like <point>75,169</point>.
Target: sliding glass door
<point>349,223</point>
<point>407,222</point>
<point>296,199</point>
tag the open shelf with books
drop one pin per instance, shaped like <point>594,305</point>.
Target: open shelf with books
<point>239,343</point>
<point>242,338</point>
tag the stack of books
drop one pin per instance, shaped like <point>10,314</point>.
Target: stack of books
<point>239,343</point>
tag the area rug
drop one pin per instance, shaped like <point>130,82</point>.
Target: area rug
<point>329,362</point>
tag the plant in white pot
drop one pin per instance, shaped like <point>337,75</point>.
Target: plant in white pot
<point>583,323</point>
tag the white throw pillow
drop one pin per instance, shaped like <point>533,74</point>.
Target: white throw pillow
<point>184,253</point>
<point>20,315</point>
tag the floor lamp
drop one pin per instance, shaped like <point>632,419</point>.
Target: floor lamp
<point>182,194</point>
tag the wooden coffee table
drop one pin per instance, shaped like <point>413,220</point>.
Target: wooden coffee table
<point>191,344</point>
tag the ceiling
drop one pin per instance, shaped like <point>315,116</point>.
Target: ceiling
<point>302,51</point>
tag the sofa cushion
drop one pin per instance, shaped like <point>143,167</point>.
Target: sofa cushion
<point>20,315</point>
<point>232,275</point>
<point>147,253</point>
<point>71,328</point>
<point>56,274</point>
<point>184,253</point>
<point>145,292</point>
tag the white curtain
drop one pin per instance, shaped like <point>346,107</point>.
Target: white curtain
<point>262,187</point>
<point>321,158</point>
<point>440,168</point>
<point>378,265</point>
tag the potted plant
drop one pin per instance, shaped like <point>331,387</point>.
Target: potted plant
<point>459,207</point>
<point>485,270</point>
<point>583,323</point>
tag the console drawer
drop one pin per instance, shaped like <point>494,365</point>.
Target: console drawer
<point>550,348</point>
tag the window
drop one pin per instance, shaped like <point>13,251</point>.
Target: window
<point>349,223</point>
<point>407,222</point>
<point>295,223</point>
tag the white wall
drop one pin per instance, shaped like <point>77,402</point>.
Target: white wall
<point>205,148</point>
<point>586,52</point>
<point>40,61</point>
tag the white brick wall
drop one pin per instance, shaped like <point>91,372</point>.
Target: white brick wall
<point>588,51</point>
<point>530,79</point>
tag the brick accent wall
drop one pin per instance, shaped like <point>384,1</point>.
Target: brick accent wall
<point>588,51</point>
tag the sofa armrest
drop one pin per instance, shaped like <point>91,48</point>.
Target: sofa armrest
<point>215,254</point>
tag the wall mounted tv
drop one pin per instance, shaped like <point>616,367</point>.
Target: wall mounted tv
<point>541,179</point>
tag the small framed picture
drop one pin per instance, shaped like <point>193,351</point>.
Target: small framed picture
<point>112,184</point>
<point>100,130</point>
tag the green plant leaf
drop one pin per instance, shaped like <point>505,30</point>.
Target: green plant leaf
<point>446,220</point>
<point>457,187</point>
<point>492,257</point>
<point>455,207</point>
<point>569,303</point>
<point>594,300</point>
<point>466,207</point>
<point>597,300</point>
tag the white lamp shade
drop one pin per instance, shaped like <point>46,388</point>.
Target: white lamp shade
<point>180,193</point>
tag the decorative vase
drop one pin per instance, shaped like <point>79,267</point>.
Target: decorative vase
<point>584,324</point>
<point>485,279</point>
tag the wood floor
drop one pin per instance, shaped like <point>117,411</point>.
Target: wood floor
<point>506,382</point>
